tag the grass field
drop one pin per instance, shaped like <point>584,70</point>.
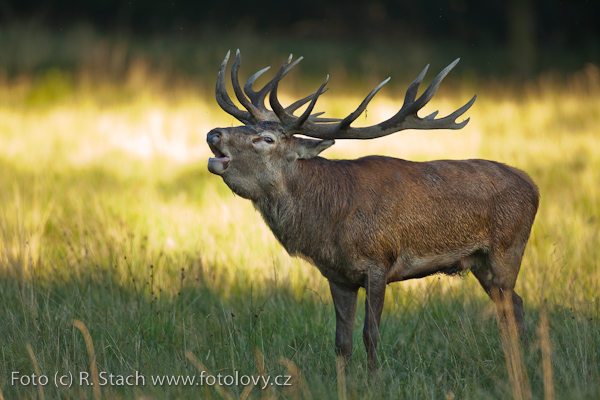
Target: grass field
<point>109,216</point>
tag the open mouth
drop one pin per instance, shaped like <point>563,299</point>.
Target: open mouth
<point>219,163</point>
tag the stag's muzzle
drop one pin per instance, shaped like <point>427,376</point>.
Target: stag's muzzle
<point>219,163</point>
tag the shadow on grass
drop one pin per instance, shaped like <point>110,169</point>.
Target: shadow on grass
<point>135,326</point>
<point>441,346</point>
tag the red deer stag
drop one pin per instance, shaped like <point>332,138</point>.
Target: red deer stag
<point>375,220</point>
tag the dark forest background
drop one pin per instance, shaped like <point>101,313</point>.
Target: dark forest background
<point>528,36</point>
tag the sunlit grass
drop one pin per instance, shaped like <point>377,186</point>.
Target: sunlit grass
<point>109,216</point>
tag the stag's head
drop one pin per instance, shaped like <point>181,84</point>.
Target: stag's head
<point>252,158</point>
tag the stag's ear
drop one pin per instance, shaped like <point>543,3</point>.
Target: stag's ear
<point>309,148</point>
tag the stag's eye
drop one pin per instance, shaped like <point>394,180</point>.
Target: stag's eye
<point>266,139</point>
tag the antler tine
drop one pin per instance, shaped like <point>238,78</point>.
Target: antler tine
<point>411,92</point>
<point>451,118</point>
<point>433,87</point>
<point>315,117</point>
<point>223,98</point>
<point>285,118</point>
<point>352,117</point>
<point>255,112</point>
<point>324,120</point>
<point>248,85</point>
<point>299,103</point>
<point>302,119</point>
<point>258,98</point>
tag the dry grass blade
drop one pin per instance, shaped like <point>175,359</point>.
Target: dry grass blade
<point>260,364</point>
<point>202,368</point>
<point>36,368</point>
<point>340,365</point>
<point>297,379</point>
<point>246,391</point>
<point>90,349</point>
<point>507,325</point>
<point>543,333</point>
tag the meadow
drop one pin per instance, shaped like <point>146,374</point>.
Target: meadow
<point>111,224</point>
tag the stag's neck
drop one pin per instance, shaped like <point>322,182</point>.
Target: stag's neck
<point>315,193</point>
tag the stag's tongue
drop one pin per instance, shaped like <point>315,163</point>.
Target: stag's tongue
<point>218,165</point>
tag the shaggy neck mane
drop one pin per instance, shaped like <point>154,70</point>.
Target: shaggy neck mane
<point>316,193</point>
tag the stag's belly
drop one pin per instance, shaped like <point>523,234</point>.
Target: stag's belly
<point>406,267</point>
<point>452,263</point>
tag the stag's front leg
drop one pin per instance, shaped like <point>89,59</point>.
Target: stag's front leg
<point>375,284</point>
<point>344,301</point>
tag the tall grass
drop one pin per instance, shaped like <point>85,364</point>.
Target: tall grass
<point>108,216</point>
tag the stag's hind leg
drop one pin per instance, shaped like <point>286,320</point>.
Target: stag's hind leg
<point>498,276</point>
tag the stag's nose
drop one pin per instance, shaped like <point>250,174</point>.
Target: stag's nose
<point>214,137</point>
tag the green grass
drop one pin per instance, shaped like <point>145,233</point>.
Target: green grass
<point>109,216</point>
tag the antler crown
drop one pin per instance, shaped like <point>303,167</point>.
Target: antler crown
<point>313,125</point>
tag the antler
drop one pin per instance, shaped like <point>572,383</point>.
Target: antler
<point>310,125</point>
<point>255,102</point>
